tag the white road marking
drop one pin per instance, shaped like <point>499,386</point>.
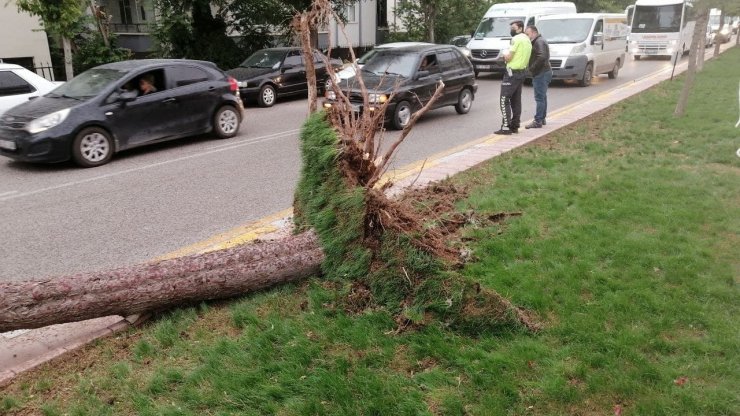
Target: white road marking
<point>13,334</point>
<point>214,149</point>
<point>2,194</point>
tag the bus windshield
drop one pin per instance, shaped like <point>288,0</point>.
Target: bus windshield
<point>496,27</point>
<point>565,30</point>
<point>657,19</point>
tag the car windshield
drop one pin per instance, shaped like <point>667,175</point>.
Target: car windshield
<point>364,58</point>
<point>89,83</point>
<point>657,19</point>
<point>391,63</point>
<point>496,27</point>
<point>265,58</point>
<point>565,30</point>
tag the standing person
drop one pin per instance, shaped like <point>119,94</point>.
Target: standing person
<point>517,58</point>
<point>539,68</point>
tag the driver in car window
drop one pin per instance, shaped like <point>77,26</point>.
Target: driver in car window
<point>146,84</point>
<point>427,63</point>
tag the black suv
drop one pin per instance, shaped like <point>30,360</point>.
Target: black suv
<point>408,77</point>
<point>277,72</point>
<point>119,106</point>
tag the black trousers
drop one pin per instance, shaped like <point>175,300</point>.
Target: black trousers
<point>511,100</point>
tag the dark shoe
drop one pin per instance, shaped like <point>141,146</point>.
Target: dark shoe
<point>544,122</point>
<point>533,125</point>
<point>515,130</point>
<point>503,131</point>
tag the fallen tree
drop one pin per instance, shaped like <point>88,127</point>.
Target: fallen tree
<point>155,286</point>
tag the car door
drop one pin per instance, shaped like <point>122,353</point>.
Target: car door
<point>453,74</point>
<point>426,79</point>
<point>293,77</point>
<point>147,118</point>
<point>14,90</point>
<point>196,97</point>
<point>597,41</point>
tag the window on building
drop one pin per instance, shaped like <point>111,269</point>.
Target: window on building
<point>350,13</point>
<point>124,7</point>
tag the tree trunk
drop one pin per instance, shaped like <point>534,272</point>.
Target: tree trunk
<point>701,20</point>
<point>67,47</point>
<point>305,34</point>
<point>688,83</point>
<point>719,38</point>
<point>431,17</point>
<point>165,284</point>
<point>101,26</point>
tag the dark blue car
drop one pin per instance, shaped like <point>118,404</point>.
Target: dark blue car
<point>119,106</point>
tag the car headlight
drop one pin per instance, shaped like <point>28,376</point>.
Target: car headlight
<point>579,48</point>
<point>673,41</point>
<point>46,122</point>
<point>377,98</point>
<point>243,84</point>
<point>330,95</point>
<point>277,80</point>
<point>465,51</point>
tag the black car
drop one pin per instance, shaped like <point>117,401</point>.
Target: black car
<point>408,77</point>
<point>105,110</point>
<point>277,72</point>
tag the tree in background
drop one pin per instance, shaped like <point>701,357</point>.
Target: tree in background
<point>86,40</point>
<point>62,18</point>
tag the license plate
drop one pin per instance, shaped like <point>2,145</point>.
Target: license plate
<point>483,66</point>
<point>7,144</point>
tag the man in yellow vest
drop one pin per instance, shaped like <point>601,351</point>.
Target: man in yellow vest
<point>517,59</point>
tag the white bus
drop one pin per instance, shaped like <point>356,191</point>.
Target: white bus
<point>661,28</point>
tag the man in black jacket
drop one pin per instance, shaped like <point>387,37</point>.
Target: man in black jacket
<point>539,69</point>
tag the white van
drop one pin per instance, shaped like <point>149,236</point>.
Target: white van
<point>585,45</point>
<point>492,35</point>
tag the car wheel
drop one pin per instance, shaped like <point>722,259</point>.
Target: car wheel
<point>267,96</point>
<point>588,73</point>
<point>464,101</point>
<point>614,72</point>
<point>402,115</point>
<point>92,147</point>
<point>226,122</point>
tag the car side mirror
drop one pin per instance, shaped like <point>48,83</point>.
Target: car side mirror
<point>598,39</point>
<point>422,74</point>
<point>287,67</point>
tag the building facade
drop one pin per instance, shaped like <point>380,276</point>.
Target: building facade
<point>22,39</point>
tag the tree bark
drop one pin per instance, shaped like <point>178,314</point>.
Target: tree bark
<point>126,291</point>
<point>67,47</point>
<point>688,83</point>
<point>719,38</point>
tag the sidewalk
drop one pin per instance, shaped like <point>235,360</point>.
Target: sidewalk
<point>23,350</point>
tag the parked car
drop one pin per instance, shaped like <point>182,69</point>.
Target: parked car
<point>18,85</point>
<point>103,111</point>
<point>278,72</point>
<point>408,76</point>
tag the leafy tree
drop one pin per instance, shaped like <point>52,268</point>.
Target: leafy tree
<point>92,49</point>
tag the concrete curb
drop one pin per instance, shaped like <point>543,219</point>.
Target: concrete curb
<point>21,351</point>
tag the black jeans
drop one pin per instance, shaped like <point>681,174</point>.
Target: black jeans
<point>511,100</point>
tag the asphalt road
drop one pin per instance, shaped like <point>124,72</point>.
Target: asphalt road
<point>59,219</point>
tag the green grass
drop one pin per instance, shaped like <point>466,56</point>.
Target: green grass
<point>626,249</point>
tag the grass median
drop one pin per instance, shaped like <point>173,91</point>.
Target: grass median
<point>626,249</point>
